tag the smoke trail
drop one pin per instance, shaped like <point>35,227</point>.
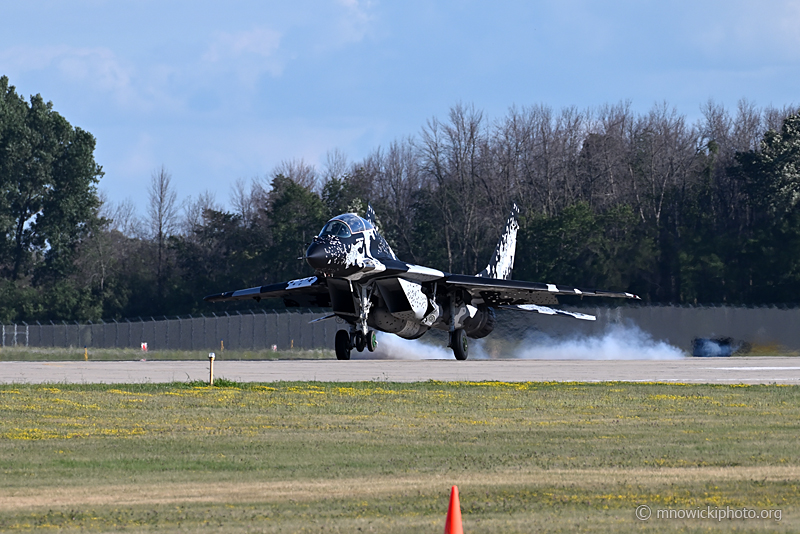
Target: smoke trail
<point>618,342</point>
<point>391,347</point>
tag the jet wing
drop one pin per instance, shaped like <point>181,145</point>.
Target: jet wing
<point>303,292</point>
<point>496,292</point>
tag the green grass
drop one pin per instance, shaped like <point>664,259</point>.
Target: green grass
<point>297,457</point>
<point>78,354</point>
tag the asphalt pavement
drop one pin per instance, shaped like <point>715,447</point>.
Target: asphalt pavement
<point>737,370</point>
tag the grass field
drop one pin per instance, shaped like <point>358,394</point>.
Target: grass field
<point>381,457</point>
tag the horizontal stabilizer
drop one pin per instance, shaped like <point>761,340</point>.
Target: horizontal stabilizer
<point>551,311</point>
<point>319,319</point>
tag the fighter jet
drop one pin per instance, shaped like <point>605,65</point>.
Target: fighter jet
<point>361,279</point>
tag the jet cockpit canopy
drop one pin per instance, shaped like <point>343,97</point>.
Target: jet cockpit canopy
<point>345,225</point>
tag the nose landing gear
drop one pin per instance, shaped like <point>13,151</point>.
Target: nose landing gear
<point>360,341</point>
<point>372,340</point>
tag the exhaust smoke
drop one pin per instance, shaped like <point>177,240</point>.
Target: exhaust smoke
<point>617,342</point>
<point>391,347</point>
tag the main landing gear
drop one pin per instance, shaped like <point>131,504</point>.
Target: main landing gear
<point>459,344</point>
<point>343,345</point>
<point>346,341</point>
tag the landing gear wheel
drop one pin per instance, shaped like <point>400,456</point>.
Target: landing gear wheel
<point>372,340</point>
<point>360,341</point>
<point>342,345</point>
<point>459,344</point>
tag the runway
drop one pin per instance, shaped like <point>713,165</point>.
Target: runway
<point>755,370</point>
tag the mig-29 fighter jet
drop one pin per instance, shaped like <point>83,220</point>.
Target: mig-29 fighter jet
<point>362,280</point>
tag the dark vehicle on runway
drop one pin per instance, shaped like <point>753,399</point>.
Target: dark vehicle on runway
<point>361,279</point>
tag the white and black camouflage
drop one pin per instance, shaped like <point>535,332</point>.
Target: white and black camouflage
<point>361,279</point>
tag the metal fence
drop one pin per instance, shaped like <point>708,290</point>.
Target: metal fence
<point>256,330</point>
<point>238,331</point>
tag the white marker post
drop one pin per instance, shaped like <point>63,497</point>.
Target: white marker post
<point>211,357</point>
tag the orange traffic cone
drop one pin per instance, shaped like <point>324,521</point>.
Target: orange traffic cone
<point>452,525</point>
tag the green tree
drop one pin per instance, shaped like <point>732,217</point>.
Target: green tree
<point>295,214</point>
<point>772,246</point>
<point>580,247</point>
<point>348,193</point>
<point>220,254</point>
<point>772,174</point>
<point>48,196</point>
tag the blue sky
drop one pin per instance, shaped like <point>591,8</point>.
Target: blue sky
<point>218,91</point>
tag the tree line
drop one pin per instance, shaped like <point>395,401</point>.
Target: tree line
<point>704,213</point>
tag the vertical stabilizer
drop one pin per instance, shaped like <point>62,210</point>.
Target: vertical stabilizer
<point>503,260</point>
<point>380,247</point>
<point>371,216</point>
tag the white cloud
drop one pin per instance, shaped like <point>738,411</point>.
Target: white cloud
<point>354,24</point>
<point>93,69</point>
<point>248,53</point>
<point>99,65</point>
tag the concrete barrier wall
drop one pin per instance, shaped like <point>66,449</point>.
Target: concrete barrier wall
<point>261,330</point>
<point>246,331</point>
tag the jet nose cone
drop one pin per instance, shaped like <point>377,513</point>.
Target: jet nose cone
<point>316,256</point>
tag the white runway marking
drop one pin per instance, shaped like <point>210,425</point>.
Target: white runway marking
<point>754,368</point>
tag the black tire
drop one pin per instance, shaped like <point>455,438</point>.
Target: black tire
<point>372,340</point>
<point>342,345</point>
<point>459,344</point>
<point>360,341</point>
